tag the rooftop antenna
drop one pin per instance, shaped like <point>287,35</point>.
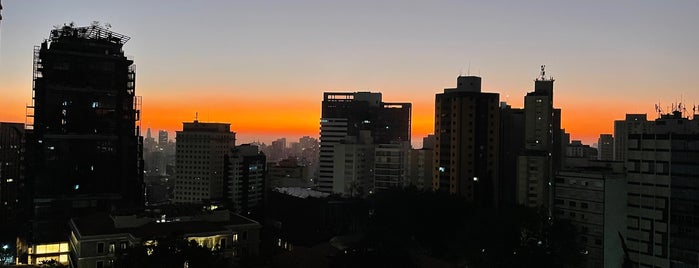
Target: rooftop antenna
<point>543,72</point>
<point>469,68</point>
<point>196,117</point>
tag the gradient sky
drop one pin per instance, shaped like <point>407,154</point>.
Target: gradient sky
<point>263,65</point>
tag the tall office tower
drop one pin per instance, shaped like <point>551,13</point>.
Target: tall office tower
<point>148,143</point>
<point>511,147</point>
<point>467,129</point>
<point>246,182</point>
<point>633,124</point>
<point>542,144</point>
<point>421,164</point>
<point>391,165</point>
<point>162,137</point>
<point>663,193</point>
<point>201,152</point>
<point>11,179</point>
<point>84,146</point>
<point>593,199</point>
<point>344,114</point>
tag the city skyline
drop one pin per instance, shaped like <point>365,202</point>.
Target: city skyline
<point>263,67</point>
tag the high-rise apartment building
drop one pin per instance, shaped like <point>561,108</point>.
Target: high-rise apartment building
<point>511,147</point>
<point>542,144</point>
<point>467,130</point>
<point>11,179</point>
<point>246,182</point>
<point>345,114</point>
<point>391,165</point>
<point>593,199</point>
<point>353,163</point>
<point>202,150</point>
<point>83,139</point>
<point>605,147</point>
<point>421,164</point>
<point>633,123</point>
<point>662,165</point>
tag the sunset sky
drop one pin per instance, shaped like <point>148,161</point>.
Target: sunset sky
<point>263,65</point>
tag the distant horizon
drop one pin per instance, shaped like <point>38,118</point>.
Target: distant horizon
<point>263,66</point>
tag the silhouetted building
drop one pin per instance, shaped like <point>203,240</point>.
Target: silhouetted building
<point>84,146</point>
<point>633,124</point>
<point>593,199</point>
<point>353,163</point>
<point>11,180</point>
<point>605,147</point>
<point>467,129</point>
<point>421,164</point>
<point>288,173</point>
<point>246,184</point>
<point>163,137</point>
<point>511,147</point>
<point>202,150</point>
<point>542,144</point>
<point>663,193</point>
<point>391,165</point>
<point>345,114</point>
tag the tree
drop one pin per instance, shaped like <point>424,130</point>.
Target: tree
<point>172,252</point>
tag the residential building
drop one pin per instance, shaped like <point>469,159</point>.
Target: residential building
<point>100,240</point>
<point>467,130</point>
<point>593,199</point>
<point>202,149</point>
<point>421,166</point>
<point>542,143</point>
<point>391,166</point>
<point>605,147</point>
<point>663,193</point>
<point>83,138</point>
<point>11,180</point>
<point>246,183</point>
<point>632,124</point>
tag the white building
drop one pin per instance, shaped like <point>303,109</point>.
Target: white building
<point>200,154</point>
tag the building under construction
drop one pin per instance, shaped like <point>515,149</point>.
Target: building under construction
<point>83,141</point>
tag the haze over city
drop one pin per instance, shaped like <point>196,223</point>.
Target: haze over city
<point>262,66</point>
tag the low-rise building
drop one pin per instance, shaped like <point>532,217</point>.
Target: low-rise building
<point>97,240</point>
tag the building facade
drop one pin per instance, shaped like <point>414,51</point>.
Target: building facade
<point>83,135</point>
<point>201,152</point>
<point>345,114</point>
<point>11,179</point>
<point>663,192</point>
<point>246,185</point>
<point>605,147</point>
<point>542,143</point>
<point>593,199</point>
<point>467,131</point>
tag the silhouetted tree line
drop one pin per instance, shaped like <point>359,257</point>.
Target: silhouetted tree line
<point>408,225</point>
<point>169,252</point>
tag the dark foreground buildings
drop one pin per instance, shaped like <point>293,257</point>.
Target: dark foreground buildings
<point>83,148</point>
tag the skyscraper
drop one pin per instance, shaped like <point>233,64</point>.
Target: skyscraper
<point>84,145</point>
<point>202,150</point>
<point>345,114</point>
<point>467,130</point>
<point>542,144</point>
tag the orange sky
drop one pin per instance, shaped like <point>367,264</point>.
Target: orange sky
<point>264,116</point>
